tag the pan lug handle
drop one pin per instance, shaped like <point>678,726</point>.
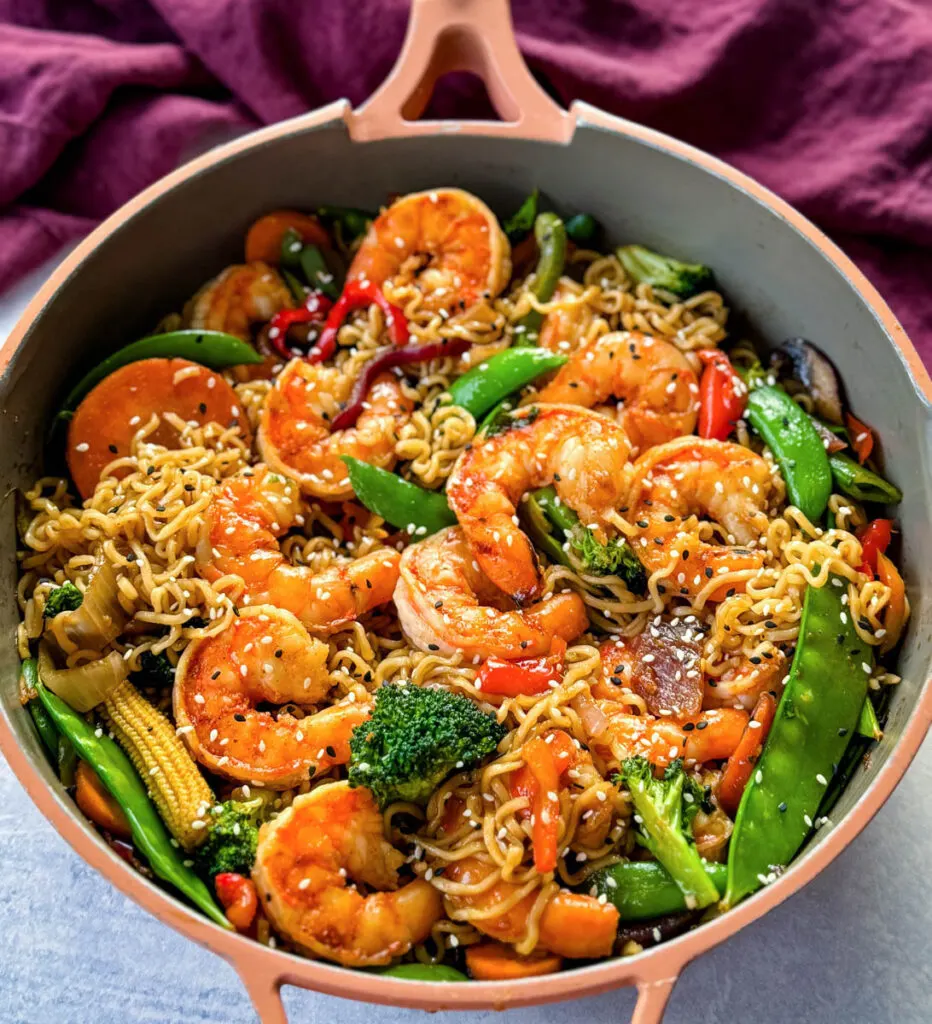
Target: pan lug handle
<point>264,990</point>
<point>460,35</point>
<point>653,996</point>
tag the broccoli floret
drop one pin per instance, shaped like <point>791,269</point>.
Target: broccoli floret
<point>664,810</point>
<point>157,669</point>
<point>614,558</point>
<point>682,279</point>
<point>415,738</point>
<point>65,598</point>
<point>231,842</point>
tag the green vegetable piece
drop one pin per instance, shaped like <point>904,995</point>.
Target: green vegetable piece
<point>401,503</point>
<point>119,776</point>
<point>817,716</point>
<point>486,384</point>
<point>521,221</point>
<point>67,760</point>
<point>292,244</point>
<point>868,723</point>
<point>65,598</point>
<point>156,669</point>
<point>582,229</point>
<point>317,273</point>
<point>664,272</point>
<point>211,348</point>
<point>349,221</point>
<point>666,808</point>
<point>497,419</point>
<point>41,719</point>
<point>416,737</point>
<point>424,972</point>
<point>861,483</point>
<point>796,446</point>
<point>231,842</point>
<point>551,243</point>
<point>298,290</point>
<point>644,889</point>
<point>616,558</point>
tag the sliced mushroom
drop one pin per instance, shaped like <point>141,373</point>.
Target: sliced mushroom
<point>801,360</point>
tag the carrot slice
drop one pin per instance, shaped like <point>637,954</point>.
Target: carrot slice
<point>493,961</point>
<point>862,437</point>
<point>97,804</point>
<point>103,426</point>
<point>897,608</point>
<point>741,763</point>
<point>264,239</point>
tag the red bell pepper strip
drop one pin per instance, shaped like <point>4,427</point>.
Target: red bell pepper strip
<point>315,308</point>
<point>356,295</point>
<point>722,395</point>
<point>875,539</point>
<point>393,357</point>
<point>546,759</point>
<point>238,896</point>
<point>525,677</point>
<point>862,437</point>
<point>741,763</point>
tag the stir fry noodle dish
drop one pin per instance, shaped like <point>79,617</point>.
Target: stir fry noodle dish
<point>456,597</point>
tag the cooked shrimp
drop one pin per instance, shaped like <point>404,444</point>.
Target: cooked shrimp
<point>709,736</point>
<point>744,680</point>
<point>585,455</point>
<point>566,326</point>
<point>445,603</point>
<point>238,297</point>
<point>308,864</point>
<point>239,536</point>
<point>571,925</point>
<point>104,424</point>
<point>446,242</point>
<point>695,477</point>
<point>651,376</point>
<point>265,657</point>
<point>295,435</point>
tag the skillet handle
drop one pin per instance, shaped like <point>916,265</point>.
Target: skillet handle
<point>653,996</point>
<point>264,990</point>
<point>460,35</point>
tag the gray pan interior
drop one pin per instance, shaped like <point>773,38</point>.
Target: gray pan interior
<point>767,270</point>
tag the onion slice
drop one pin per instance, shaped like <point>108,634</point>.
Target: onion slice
<point>97,621</point>
<point>86,686</point>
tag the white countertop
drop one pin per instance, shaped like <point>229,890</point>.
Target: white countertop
<point>852,947</point>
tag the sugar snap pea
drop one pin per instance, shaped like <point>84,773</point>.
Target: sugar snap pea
<point>645,889</point>
<point>486,384</point>
<point>861,483</point>
<point>817,716</point>
<point>550,234</point>
<point>401,503</point>
<point>424,972</point>
<point>123,783</point>
<point>41,719</point>
<point>797,447</point>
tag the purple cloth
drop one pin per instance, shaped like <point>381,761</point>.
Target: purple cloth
<point>829,102</point>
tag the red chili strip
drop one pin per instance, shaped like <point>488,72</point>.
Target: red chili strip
<point>393,357</point>
<point>722,395</point>
<point>875,538</point>
<point>315,308</point>
<point>355,296</point>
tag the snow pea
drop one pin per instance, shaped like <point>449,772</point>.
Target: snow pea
<point>797,447</point>
<point>318,274</point>
<point>123,783</point>
<point>816,718</point>
<point>868,723</point>
<point>861,483</point>
<point>403,504</point>
<point>644,889</point>
<point>550,234</point>
<point>424,972</point>
<point>485,385</point>
<point>41,719</point>
<point>211,348</point>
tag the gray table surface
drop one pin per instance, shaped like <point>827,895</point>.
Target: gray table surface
<point>853,946</point>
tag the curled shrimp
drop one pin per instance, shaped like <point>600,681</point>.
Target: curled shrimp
<point>446,242</point>
<point>295,436</point>
<point>674,483</point>
<point>264,657</point>
<point>239,537</point>
<point>584,454</point>
<point>308,864</point>
<point>445,603</point>
<point>745,678</point>
<point>568,323</point>
<point>653,378</point>
<point>238,297</point>
<point>571,924</point>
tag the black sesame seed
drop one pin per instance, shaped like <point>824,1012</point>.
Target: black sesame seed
<point>642,523</point>
<point>781,807</point>
<point>702,725</point>
<point>843,731</point>
<point>216,675</point>
<point>433,647</point>
<point>685,556</point>
<point>709,574</point>
<point>330,752</point>
<point>368,584</point>
<point>112,448</point>
<point>669,519</point>
<point>279,653</point>
<point>688,727</point>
